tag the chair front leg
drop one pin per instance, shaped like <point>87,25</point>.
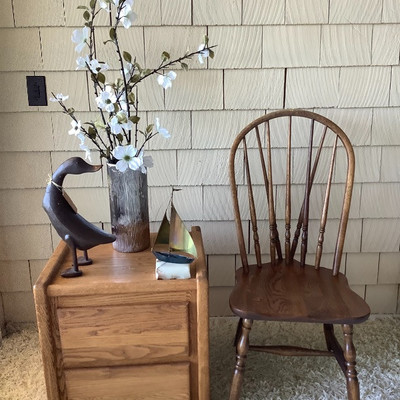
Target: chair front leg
<point>353,390</point>
<point>242,349</point>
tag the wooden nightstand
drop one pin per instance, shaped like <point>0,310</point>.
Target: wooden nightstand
<point>118,333</point>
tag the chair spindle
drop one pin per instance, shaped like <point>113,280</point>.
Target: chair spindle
<point>253,215</point>
<point>324,216</point>
<point>304,236</point>
<point>288,193</point>
<point>275,245</point>
<point>300,219</point>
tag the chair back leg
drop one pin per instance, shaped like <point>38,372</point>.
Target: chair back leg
<point>242,348</point>
<point>353,390</point>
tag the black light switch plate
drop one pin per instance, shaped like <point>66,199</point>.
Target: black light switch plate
<point>36,90</point>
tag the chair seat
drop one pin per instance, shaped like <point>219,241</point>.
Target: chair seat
<point>281,292</point>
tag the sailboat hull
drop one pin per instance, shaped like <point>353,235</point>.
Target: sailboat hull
<point>172,258</point>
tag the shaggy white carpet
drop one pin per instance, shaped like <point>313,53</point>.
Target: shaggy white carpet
<point>267,376</point>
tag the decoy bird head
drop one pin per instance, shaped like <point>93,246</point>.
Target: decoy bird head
<point>74,166</point>
<point>77,166</point>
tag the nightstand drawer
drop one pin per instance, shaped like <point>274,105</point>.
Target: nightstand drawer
<point>166,381</point>
<point>126,334</point>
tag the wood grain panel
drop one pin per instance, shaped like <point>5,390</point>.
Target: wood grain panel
<point>126,334</point>
<point>156,382</point>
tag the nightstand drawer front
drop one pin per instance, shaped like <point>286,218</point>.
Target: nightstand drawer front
<point>117,335</point>
<point>152,382</point>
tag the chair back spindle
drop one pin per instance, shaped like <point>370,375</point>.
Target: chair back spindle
<point>288,208</point>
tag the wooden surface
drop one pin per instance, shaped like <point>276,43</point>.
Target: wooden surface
<point>282,292</point>
<point>158,382</point>
<point>117,323</point>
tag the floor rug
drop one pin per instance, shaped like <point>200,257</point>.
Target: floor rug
<point>266,377</point>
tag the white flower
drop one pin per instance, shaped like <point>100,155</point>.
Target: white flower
<point>104,4</point>
<point>76,128</point>
<point>84,147</point>
<point>119,122</point>
<point>203,53</point>
<point>162,131</point>
<point>93,65</point>
<point>128,69</point>
<point>59,97</point>
<point>166,80</point>
<point>97,67</point>
<point>127,15</point>
<point>147,162</point>
<point>80,36</point>
<point>106,100</point>
<point>82,62</point>
<point>126,156</point>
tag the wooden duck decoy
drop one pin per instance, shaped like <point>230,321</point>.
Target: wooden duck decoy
<point>76,231</point>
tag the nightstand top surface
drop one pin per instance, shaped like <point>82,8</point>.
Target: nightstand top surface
<point>113,272</point>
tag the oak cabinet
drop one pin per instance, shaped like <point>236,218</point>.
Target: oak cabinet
<point>118,333</point>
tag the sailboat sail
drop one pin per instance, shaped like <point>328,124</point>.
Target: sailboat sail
<point>174,242</point>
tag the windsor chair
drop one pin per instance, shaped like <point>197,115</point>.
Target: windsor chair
<point>271,184</point>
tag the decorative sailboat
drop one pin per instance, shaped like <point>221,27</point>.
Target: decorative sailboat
<point>173,243</point>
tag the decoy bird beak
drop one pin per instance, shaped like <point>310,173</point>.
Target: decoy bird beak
<point>96,167</point>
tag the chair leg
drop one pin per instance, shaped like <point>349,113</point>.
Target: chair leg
<point>238,332</point>
<point>242,349</point>
<point>353,390</point>
<point>328,332</point>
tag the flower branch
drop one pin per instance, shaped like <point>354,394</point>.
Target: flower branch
<point>118,102</point>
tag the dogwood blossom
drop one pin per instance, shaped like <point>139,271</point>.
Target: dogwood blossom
<point>59,97</point>
<point>106,100</point>
<point>84,147</point>
<point>76,128</point>
<point>127,15</point>
<point>80,36</point>
<point>104,5</point>
<point>126,156</point>
<point>119,122</point>
<point>166,80</point>
<point>94,65</point>
<point>161,131</point>
<point>203,53</point>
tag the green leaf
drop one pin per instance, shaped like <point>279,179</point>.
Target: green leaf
<point>206,40</point>
<point>134,118</point>
<point>211,53</point>
<point>92,4</point>
<point>135,78</point>
<point>138,67</point>
<point>86,15</point>
<point>131,98</point>
<point>82,8</point>
<point>70,111</point>
<point>120,137</point>
<point>184,66</point>
<point>113,34</point>
<point>101,78</point>
<point>127,56</point>
<point>92,132</point>
<point>99,125</point>
<point>165,56</point>
<point>147,72</point>
<point>149,128</point>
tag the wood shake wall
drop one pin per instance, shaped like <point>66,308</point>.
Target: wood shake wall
<point>337,57</point>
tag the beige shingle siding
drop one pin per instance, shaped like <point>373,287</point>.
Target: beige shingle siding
<point>340,58</point>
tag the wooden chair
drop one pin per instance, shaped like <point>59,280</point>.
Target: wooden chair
<point>266,182</point>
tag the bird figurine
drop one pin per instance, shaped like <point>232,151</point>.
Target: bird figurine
<point>76,231</point>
